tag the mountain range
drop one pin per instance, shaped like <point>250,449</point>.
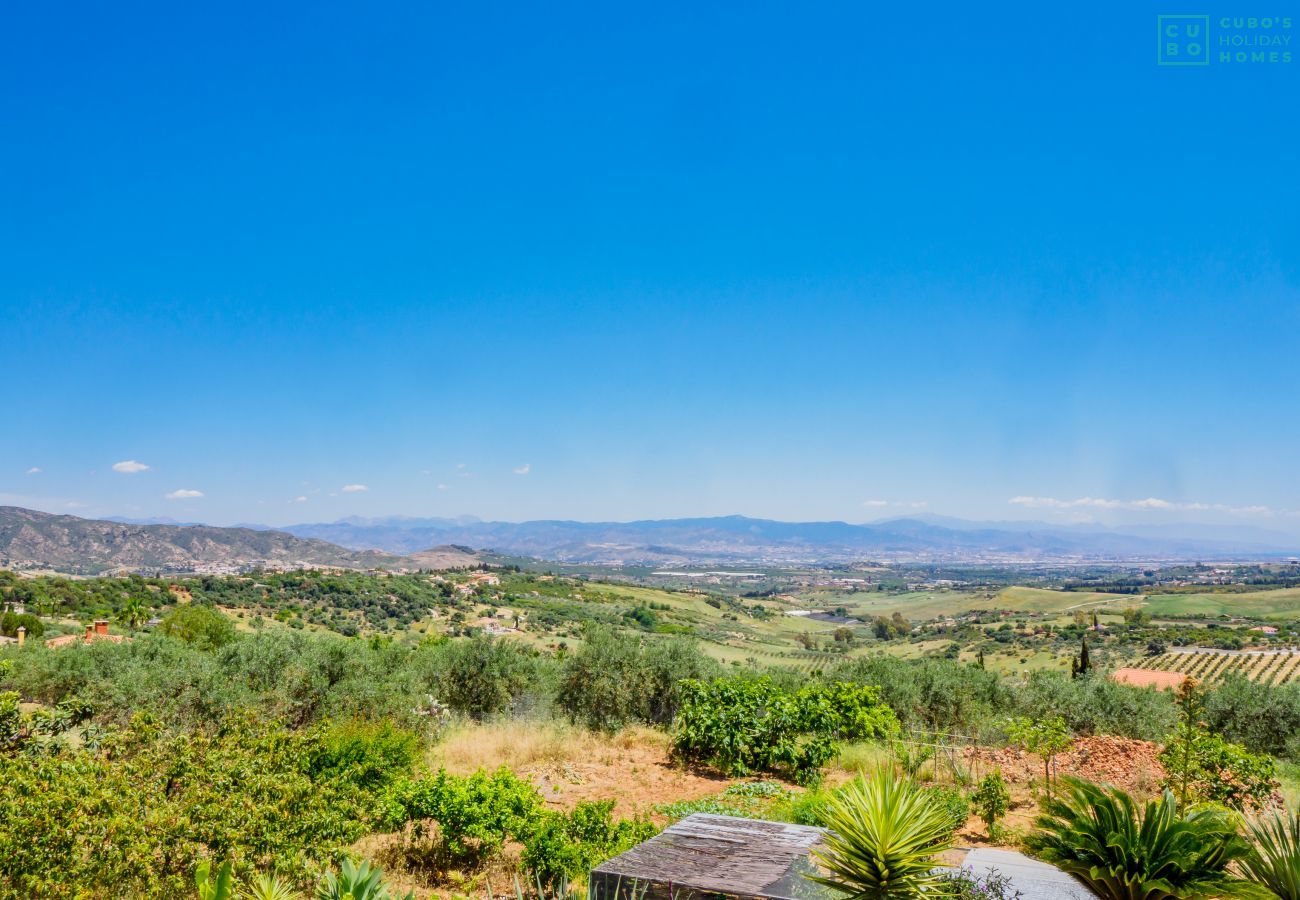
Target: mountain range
<point>39,540</point>
<point>741,539</point>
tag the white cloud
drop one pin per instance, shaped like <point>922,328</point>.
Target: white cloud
<point>908,504</point>
<point>184,494</point>
<point>298,500</point>
<point>129,467</point>
<point>524,469</point>
<point>442,487</point>
<point>875,502</point>
<point>34,470</point>
<point>1149,503</point>
<point>354,488</point>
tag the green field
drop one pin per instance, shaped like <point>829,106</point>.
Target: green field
<point>1282,604</point>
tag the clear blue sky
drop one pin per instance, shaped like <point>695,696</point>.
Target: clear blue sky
<point>787,260</point>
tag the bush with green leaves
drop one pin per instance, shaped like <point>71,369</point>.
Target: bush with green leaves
<point>1203,767</point>
<point>952,801</point>
<point>368,754</point>
<point>475,814</point>
<point>1263,717</point>
<point>565,847</point>
<point>884,834</point>
<point>991,800</point>
<point>1124,850</point>
<point>932,694</point>
<point>742,726</point>
<point>10,622</point>
<point>616,679</point>
<point>1045,737</point>
<point>201,625</point>
<point>135,817</point>
<point>483,676</point>
<point>965,884</point>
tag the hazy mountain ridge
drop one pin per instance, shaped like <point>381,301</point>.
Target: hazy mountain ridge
<point>31,539</point>
<point>739,539</point>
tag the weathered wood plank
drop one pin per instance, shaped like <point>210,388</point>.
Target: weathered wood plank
<point>707,855</point>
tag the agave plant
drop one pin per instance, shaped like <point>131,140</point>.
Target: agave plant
<point>355,881</point>
<point>1156,851</point>
<point>269,887</point>
<point>1274,860</point>
<point>884,834</point>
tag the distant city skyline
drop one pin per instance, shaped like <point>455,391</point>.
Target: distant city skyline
<point>804,263</point>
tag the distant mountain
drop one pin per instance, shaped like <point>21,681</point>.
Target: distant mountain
<point>743,540</point>
<point>37,540</point>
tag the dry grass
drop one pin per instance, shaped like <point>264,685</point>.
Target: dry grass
<point>529,745</point>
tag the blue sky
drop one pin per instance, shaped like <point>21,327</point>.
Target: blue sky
<point>786,260</point>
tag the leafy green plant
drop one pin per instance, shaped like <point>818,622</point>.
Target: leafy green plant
<point>475,814</point>
<point>1044,737</point>
<point>1124,851</point>
<point>355,881</point>
<point>884,835</point>
<point>964,884</point>
<point>742,726</point>
<point>1274,857</point>
<point>911,756</point>
<point>268,886</point>
<point>1202,766</point>
<point>952,802</point>
<point>991,800</point>
<point>566,847</point>
<point>1205,767</point>
<point>218,885</point>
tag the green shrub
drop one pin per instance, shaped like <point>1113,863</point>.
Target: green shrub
<point>953,803</point>
<point>806,808</point>
<point>137,817</point>
<point>743,726</point>
<point>483,676</point>
<point>615,679</point>
<point>368,754</point>
<point>475,814</point>
<point>1204,767</point>
<point>565,847</point>
<point>202,626</point>
<point>991,800</point>
<point>10,622</point>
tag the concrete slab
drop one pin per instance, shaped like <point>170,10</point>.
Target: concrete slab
<point>1035,880</point>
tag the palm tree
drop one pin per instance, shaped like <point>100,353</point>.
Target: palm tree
<point>884,835</point>
<point>1274,859</point>
<point>1154,852</point>
<point>133,613</point>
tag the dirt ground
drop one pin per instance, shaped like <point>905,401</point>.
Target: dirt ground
<point>1122,762</point>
